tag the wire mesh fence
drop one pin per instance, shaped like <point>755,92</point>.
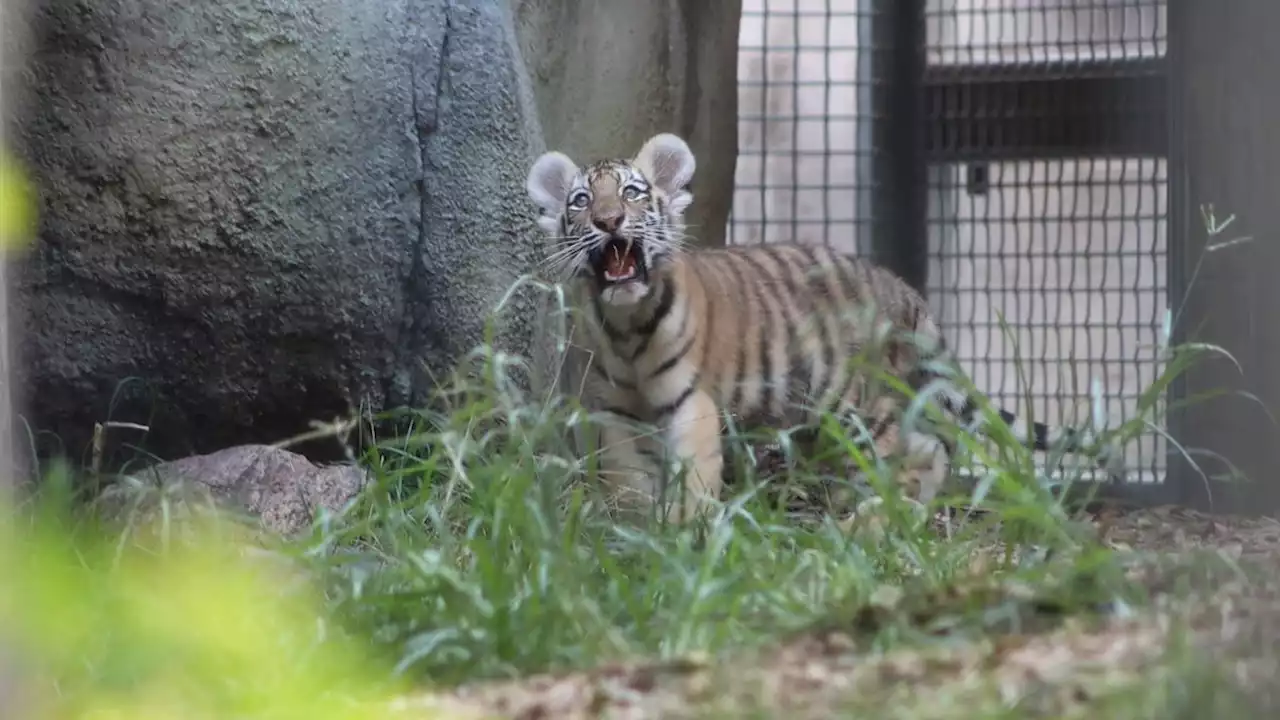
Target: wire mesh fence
<point>1051,214</point>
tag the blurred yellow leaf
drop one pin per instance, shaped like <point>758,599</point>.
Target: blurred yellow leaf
<point>17,205</point>
<point>198,631</point>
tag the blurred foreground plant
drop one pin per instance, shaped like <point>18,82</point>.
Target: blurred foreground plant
<point>200,629</point>
<point>17,205</point>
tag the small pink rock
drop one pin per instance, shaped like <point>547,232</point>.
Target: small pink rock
<point>282,488</point>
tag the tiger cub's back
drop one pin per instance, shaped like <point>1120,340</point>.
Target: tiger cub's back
<point>780,324</point>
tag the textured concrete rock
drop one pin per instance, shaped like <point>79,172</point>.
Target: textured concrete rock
<point>261,212</point>
<point>282,489</point>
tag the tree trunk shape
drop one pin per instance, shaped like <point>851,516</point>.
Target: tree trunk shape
<point>609,74</point>
<point>260,213</point>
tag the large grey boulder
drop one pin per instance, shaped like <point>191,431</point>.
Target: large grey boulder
<point>261,212</point>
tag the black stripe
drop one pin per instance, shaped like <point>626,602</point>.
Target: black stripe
<point>771,319</point>
<point>800,374</point>
<point>875,430</point>
<point>677,357</point>
<point>844,269</point>
<point>778,254</point>
<point>620,412</point>
<point>919,377</point>
<point>847,268</point>
<point>881,425</point>
<point>659,205</point>
<point>598,368</point>
<point>1039,430</point>
<point>660,313</point>
<point>947,445</point>
<point>743,286</point>
<point>965,412</point>
<point>768,393</point>
<point>1073,439</point>
<point>968,408</point>
<point>670,362</point>
<point>817,269</point>
<point>845,387</point>
<point>830,338</point>
<point>795,273</point>
<point>896,343</point>
<point>670,408</point>
<point>709,303</point>
<point>614,334</point>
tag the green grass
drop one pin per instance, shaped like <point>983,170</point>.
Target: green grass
<point>480,551</point>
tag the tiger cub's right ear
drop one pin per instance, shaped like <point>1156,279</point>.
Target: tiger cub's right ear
<point>548,185</point>
<point>668,163</point>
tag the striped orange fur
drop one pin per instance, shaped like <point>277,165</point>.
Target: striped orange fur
<point>765,333</point>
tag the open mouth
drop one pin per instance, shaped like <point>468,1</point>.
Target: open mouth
<point>620,262</point>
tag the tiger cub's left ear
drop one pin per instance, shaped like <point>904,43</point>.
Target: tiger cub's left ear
<point>668,163</point>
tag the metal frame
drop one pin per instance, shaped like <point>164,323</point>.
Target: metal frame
<point>1224,152</point>
<point>980,113</point>
<point>899,174</point>
<point>1061,110</point>
<point>912,122</point>
<point>941,114</point>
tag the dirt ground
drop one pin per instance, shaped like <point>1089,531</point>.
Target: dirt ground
<point>1072,668</point>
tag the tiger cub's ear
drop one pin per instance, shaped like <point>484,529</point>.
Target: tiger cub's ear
<point>548,186</point>
<point>668,163</point>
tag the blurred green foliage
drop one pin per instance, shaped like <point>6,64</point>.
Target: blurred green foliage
<point>197,628</point>
<point>17,205</point>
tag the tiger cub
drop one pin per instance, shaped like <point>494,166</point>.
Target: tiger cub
<point>764,332</point>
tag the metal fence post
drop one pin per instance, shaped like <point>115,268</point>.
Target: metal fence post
<point>1040,196</point>
<point>1227,157</point>
<point>899,193</point>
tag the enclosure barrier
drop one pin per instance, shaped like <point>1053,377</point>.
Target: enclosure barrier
<point>1005,156</point>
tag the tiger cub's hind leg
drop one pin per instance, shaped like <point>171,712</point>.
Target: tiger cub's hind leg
<point>923,464</point>
<point>918,464</point>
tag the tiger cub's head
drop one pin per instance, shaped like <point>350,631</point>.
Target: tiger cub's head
<point>616,223</point>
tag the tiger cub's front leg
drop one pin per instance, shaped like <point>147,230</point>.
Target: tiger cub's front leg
<point>629,467</point>
<point>693,438</point>
<point>633,469</point>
